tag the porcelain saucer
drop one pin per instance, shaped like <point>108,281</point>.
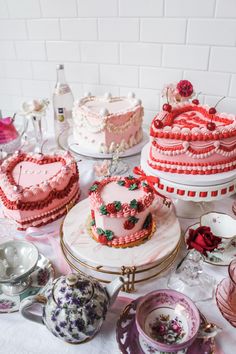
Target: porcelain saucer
<point>130,342</point>
<point>217,257</point>
<point>42,276</point>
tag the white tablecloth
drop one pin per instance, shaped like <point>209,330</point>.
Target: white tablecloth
<point>19,336</point>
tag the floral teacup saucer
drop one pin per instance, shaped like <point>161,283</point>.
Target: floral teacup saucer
<point>220,256</point>
<point>130,342</point>
<point>40,279</point>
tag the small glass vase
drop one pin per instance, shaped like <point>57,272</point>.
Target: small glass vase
<point>38,126</point>
<point>190,279</point>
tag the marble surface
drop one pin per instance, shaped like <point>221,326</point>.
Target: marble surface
<point>18,336</point>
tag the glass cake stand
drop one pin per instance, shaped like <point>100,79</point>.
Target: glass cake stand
<point>193,195</point>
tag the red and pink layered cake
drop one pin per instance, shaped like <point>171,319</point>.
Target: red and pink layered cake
<point>121,211</point>
<point>104,124</point>
<point>36,189</point>
<point>190,138</point>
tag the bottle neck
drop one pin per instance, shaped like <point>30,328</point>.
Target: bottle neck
<point>61,76</point>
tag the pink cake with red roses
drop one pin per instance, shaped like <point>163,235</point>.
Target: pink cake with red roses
<point>189,138</point>
<point>121,211</point>
<point>36,189</point>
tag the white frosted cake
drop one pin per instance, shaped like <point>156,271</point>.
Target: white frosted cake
<point>104,124</point>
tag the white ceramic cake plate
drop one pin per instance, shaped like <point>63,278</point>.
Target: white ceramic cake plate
<point>108,261</point>
<point>42,276</point>
<point>74,146</point>
<point>192,194</point>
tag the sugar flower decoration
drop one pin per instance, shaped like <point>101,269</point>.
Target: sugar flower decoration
<point>35,108</point>
<point>178,92</point>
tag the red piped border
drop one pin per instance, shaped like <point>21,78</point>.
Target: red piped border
<point>169,120</point>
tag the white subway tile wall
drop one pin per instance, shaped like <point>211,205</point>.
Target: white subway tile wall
<point>118,46</point>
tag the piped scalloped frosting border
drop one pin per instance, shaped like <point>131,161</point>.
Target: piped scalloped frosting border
<point>14,198</point>
<point>193,128</point>
<point>118,209</point>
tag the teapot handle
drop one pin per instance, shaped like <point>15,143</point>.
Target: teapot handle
<point>27,303</point>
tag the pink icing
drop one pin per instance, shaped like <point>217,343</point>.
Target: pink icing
<point>33,174</point>
<point>112,191</point>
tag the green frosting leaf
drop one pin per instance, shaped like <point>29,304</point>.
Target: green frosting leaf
<point>130,177</point>
<point>121,183</point>
<point>94,187</point>
<point>133,204</point>
<point>103,210</point>
<point>133,219</point>
<point>100,231</point>
<point>92,222</point>
<point>147,221</point>
<point>117,205</point>
<point>109,234</point>
<point>133,187</point>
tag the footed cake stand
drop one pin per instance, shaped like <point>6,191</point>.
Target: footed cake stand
<point>193,195</point>
<point>104,263</point>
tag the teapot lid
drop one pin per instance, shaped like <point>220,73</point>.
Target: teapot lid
<point>73,290</point>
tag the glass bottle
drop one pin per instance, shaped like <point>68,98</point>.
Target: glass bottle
<point>62,103</point>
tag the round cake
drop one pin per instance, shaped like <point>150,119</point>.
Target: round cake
<point>105,124</point>
<point>121,211</point>
<point>193,139</point>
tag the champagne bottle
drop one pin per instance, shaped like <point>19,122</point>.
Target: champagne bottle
<point>62,103</point>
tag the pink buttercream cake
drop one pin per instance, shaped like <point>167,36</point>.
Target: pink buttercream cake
<point>36,189</point>
<point>121,211</point>
<point>190,140</point>
<point>103,124</point>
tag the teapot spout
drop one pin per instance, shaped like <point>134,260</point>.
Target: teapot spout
<point>113,289</point>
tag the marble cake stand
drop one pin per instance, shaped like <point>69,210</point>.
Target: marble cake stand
<point>104,263</point>
<point>192,195</point>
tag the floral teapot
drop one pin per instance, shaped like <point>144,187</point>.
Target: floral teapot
<point>74,306</point>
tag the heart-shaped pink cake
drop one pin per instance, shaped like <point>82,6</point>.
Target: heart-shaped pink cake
<point>36,189</point>
<point>121,211</point>
<point>191,140</point>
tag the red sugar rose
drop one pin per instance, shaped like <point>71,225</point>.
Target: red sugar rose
<point>140,207</point>
<point>102,239</point>
<point>203,240</point>
<point>92,214</point>
<point>185,88</point>
<point>111,208</point>
<point>128,225</point>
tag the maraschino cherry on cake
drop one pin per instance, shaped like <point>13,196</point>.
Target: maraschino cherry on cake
<point>190,138</point>
<point>121,211</point>
<point>36,189</point>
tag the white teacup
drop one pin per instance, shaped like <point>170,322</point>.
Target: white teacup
<point>222,225</point>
